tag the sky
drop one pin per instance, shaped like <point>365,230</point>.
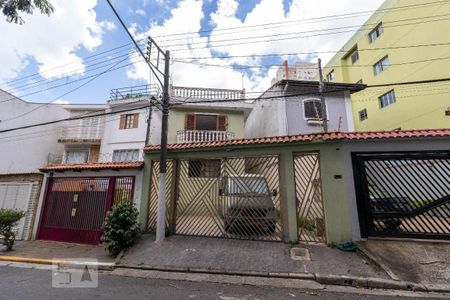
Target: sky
<point>81,52</point>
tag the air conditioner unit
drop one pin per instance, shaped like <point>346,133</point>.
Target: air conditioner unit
<point>314,122</point>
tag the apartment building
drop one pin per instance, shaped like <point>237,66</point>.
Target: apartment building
<point>301,70</point>
<point>403,41</point>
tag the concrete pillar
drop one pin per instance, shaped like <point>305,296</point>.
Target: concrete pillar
<point>288,202</point>
<point>145,193</point>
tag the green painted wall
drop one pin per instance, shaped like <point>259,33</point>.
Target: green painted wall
<point>335,197</point>
<point>236,121</point>
<point>418,106</point>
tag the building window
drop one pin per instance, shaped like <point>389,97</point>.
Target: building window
<point>363,115</point>
<point>76,156</point>
<point>354,57</point>
<point>387,99</point>
<point>204,168</point>
<point>376,33</point>
<point>205,122</point>
<point>381,65</point>
<point>312,109</point>
<point>129,121</point>
<point>126,155</point>
<point>330,76</point>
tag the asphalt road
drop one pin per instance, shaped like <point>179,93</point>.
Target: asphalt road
<point>21,283</point>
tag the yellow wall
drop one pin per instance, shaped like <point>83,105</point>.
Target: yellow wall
<point>417,106</point>
<point>236,121</point>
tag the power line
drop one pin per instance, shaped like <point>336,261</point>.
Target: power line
<point>298,34</point>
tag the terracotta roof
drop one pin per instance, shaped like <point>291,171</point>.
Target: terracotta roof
<point>313,137</point>
<point>93,166</point>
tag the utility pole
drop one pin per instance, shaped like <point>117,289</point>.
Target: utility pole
<point>322,99</point>
<point>161,216</point>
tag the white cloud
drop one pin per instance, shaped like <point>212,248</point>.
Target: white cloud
<point>140,12</point>
<point>51,41</point>
<point>187,16</point>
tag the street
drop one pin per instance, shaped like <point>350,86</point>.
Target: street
<point>23,283</point>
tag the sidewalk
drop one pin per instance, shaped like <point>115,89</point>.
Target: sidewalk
<point>43,252</point>
<point>240,256</point>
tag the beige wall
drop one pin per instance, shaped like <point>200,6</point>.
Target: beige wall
<point>236,121</point>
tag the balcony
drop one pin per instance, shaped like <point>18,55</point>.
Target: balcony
<point>84,131</point>
<point>206,93</point>
<point>133,93</point>
<point>83,156</point>
<point>195,136</point>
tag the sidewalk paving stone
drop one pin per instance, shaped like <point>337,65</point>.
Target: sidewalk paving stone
<point>243,256</point>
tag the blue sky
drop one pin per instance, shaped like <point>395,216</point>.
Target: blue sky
<point>86,28</point>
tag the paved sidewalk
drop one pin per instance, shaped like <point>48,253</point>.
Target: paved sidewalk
<point>419,262</point>
<point>243,256</point>
<point>56,250</point>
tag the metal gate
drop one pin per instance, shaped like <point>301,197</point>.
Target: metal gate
<point>75,208</point>
<point>403,194</point>
<point>224,197</point>
<point>308,194</point>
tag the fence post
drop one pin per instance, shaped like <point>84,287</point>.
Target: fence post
<point>145,192</point>
<point>287,193</point>
<point>174,195</point>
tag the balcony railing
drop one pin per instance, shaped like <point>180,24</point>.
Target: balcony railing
<point>133,92</point>
<point>53,158</point>
<point>194,136</point>
<point>87,130</point>
<point>206,93</point>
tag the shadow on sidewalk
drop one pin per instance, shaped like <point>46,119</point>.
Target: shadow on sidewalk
<point>241,255</point>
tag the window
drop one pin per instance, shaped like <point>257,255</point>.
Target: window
<point>382,65</point>
<point>204,168</point>
<point>363,115</point>
<point>387,99</point>
<point>330,76</point>
<point>126,155</point>
<point>129,121</point>
<point>354,57</point>
<point>312,109</point>
<point>76,156</point>
<point>206,122</point>
<point>376,33</point>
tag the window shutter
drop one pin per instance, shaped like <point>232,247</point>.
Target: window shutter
<point>136,120</point>
<point>122,121</point>
<point>189,122</point>
<point>222,123</point>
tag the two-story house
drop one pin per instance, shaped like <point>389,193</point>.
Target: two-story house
<point>102,161</point>
<point>294,107</point>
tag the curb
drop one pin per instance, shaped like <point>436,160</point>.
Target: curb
<point>326,279</point>
<point>67,263</point>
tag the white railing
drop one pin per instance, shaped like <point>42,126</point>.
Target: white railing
<point>194,136</point>
<point>206,93</point>
<point>89,157</point>
<point>84,129</point>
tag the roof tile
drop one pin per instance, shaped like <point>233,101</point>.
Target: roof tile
<point>93,166</point>
<point>311,137</point>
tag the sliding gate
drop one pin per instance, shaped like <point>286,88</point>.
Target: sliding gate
<point>224,197</point>
<point>403,194</point>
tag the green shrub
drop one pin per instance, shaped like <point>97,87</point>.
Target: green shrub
<point>121,227</point>
<point>306,224</point>
<point>9,219</point>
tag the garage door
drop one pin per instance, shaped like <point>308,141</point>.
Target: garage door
<point>16,195</point>
<point>75,208</point>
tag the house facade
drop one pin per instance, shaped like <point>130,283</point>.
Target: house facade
<point>402,41</point>
<point>293,107</point>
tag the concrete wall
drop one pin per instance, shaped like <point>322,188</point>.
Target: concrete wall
<point>116,139</point>
<point>138,188</point>
<point>285,116</point>
<point>338,185</point>
<point>26,150</point>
